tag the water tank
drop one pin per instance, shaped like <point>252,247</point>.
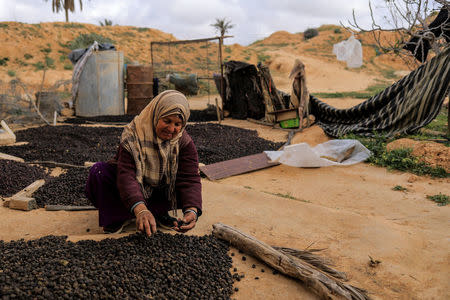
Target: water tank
<point>100,91</point>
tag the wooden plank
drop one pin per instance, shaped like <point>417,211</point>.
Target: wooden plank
<point>10,157</point>
<point>237,166</point>
<point>29,190</point>
<point>69,207</point>
<point>22,200</point>
<point>22,203</point>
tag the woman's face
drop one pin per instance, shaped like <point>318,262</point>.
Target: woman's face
<point>168,127</point>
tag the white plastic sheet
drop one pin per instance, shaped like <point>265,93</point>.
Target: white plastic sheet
<point>350,51</point>
<point>331,153</point>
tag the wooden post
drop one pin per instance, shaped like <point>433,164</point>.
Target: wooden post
<point>151,54</point>
<point>325,286</point>
<point>69,208</point>
<point>222,96</point>
<point>11,157</point>
<point>219,118</point>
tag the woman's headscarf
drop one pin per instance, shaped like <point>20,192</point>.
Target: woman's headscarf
<point>156,160</point>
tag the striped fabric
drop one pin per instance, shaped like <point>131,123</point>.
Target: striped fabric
<point>407,105</point>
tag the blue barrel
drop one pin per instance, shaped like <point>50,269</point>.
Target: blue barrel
<point>100,91</point>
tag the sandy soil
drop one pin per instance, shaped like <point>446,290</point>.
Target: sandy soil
<point>351,211</point>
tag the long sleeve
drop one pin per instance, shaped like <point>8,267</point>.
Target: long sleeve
<point>129,189</point>
<point>188,183</point>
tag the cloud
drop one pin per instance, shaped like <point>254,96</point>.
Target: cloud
<point>190,19</point>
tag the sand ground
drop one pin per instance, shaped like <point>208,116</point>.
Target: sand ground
<point>351,211</point>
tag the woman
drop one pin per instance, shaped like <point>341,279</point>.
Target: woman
<point>155,170</point>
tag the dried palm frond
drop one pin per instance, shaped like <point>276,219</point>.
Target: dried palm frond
<point>321,263</point>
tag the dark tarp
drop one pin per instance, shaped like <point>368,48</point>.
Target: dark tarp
<point>250,91</point>
<point>76,54</point>
<point>406,106</point>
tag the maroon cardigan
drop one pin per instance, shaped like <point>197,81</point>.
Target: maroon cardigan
<point>188,184</point>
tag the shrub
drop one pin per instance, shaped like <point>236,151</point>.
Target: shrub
<point>106,23</point>
<point>3,25</point>
<point>20,62</point>
<point>4,61</point>
<point>73,25</point>
<point>142,29</point>
<point>440,199</point>
<point>310,33</point>
<point>39,66</point>
<point>337,30</point>
<point>263,57</point>
<point>11,73</point>
<point>85,40</point>
<point>49,62</point>
<point>46,50</point>
<point>27,56</point>
<point>68,67</point>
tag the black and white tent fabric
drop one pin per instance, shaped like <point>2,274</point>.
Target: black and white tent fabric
<point>407,105</point>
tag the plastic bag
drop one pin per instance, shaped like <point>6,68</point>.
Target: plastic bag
<point>331,153</point>
<point>350,51</point>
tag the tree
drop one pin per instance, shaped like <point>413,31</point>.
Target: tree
<point>418,26</point>
<point>66,5</point>
<point>222,26</point>
<point>413,28</point>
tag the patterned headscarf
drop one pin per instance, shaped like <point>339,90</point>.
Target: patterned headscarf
<point>156,160</point>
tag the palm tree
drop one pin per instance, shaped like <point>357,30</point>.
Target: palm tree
<point>222,25</point>
<point>59,5</point>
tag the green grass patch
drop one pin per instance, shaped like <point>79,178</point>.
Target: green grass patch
<point>27,56</point>
<point>388,73</point>
<point>49,62</point>
<point>85,40</point>
<point>263,57</point>
<point>70,25</point>
<point>4,61</point>
<point>20,62</point>
<point>398,159</point>
<point>328,27</point>
<point>62,58</point>
<point>367,93</point>
<point>3,25</point>
<point>11,73</point>
<point>440,122</point>
<point>279,45</point>
<point>39,66</point>
<point>287,196</point>
<point>440,199</point>
<point>68,66</point>
<point>141,29</point>
<point>399,188</point>
<point>227,50</point>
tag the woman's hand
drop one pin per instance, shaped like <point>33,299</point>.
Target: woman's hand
<point>189,220</point>
<point>145,221</point>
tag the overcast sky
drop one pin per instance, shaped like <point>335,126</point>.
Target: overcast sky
<point>191,19</point>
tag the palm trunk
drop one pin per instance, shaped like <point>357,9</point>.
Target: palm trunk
<point>67,15</point>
